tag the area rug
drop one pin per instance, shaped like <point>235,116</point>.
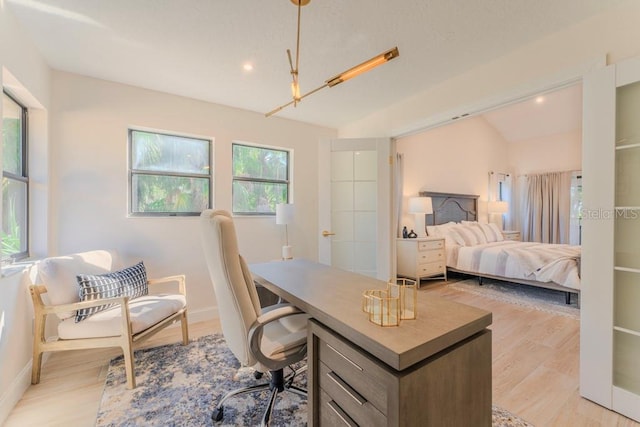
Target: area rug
<point>540,299</point>
<point>180,386</point>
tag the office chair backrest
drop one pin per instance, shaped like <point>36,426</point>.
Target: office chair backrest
<point>238,303</point>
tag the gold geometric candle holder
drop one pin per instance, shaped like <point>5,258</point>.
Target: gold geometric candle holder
<point>382,308</point>
<point>406,291</point>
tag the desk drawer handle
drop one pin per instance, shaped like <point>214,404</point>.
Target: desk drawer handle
<point>346,388</point>
<point>340,413</point>
<point>345,357</point>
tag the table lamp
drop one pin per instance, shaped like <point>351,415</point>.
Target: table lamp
<point>498,207</point>
<point>284,216</point>
<point>420,206</point>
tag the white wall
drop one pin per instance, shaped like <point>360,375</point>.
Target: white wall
<point>554,153</point>
<point>26,75</point>
<point>452,159</point>
<point>564,55</point>
<point>90,119</point>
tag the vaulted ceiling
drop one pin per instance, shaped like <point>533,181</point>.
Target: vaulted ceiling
<point>197,48</point>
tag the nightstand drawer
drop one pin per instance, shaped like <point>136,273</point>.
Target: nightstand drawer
<point>427,246</point>
<point>349,400</point>
<point>431,268</point>
<point>430,256</point>
<point>363,375</point>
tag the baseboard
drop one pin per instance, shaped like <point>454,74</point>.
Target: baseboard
<point>15,391</point>
<point>202,314</point>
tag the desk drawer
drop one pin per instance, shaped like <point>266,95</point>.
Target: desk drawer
<point>331,414</point>
<point>363,375</point>
<point>354,404</point>
<point>427,246</point>
<point>430,256</point>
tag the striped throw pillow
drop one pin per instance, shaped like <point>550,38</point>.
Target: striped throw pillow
<point>129,282</point>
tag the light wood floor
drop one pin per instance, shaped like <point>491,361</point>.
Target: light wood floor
<point>535,371</point>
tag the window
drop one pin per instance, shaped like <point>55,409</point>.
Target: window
<point>15,181</point>
<point>260,179</point>
<point>169,175</point>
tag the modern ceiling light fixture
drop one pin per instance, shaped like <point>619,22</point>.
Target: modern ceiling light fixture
<point>342,77</point>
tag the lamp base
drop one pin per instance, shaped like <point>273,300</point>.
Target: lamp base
<point>287,253</point>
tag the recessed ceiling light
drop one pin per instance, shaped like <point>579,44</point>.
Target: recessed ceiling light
<point>247,67</point>
<point>540,100</point>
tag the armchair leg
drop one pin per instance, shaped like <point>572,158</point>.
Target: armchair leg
<point>128,366</point>
<point>36,366</point>
<point>185,328</point>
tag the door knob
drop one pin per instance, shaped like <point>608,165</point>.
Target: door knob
<point>326,233</point>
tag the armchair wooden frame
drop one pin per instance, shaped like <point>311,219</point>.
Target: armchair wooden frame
<point>127,340</point>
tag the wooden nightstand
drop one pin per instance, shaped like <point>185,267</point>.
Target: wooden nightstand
<point>511,235</point>
<point>423,258</point>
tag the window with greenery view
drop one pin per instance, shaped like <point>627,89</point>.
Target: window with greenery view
<point>260,179</point>
<point>170,175</point>
<point>15,182</point>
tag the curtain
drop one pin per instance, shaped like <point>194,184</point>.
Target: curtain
<point>399,177</point>
<point>546,203</point>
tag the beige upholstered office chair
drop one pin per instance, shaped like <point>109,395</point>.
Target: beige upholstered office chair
<point>267,339</point>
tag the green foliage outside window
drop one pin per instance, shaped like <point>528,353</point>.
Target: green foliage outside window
<point>169,174</point>
<point>260,179</point>
<point>14,181</point>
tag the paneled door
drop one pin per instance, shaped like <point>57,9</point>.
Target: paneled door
<point>354,205</point>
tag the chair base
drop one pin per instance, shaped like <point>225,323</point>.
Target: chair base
<point>277,384</point>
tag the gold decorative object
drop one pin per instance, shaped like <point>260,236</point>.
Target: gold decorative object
<point>406,291</point>
<point>382,308</point>
<point>386,307</point>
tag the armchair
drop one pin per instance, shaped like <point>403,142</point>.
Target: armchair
<point>124,324</point>
<point>267,339</point>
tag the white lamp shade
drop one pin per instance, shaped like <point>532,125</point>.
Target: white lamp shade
<point>498,207</point>
<point>420,205</point>
<point>284,213</point>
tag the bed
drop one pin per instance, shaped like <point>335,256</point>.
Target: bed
<point>480,249</point>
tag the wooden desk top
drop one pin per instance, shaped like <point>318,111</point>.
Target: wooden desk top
<point>334,297</point>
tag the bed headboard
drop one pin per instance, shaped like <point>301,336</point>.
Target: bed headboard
<point>451,207</point>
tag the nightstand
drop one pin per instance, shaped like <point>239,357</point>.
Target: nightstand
<point>511,235</point>
<point>422,258</point>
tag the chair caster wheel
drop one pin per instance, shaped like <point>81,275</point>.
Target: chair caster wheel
<point>217,414</point>
<point>257,375</point>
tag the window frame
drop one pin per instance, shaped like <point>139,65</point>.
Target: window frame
<point>133,172</point>
<point>235,178</point>
<point>24,178</point>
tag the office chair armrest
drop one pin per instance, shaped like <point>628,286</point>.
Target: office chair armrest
<point>277,312</point>
<point>255,335</point>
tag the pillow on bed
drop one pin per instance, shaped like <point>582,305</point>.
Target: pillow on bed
<point>474,227</point>
<point>467,235</point>
<point>440,230</point>
<point>493,232</point>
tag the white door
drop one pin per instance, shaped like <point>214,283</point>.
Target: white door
<point>355,205</point>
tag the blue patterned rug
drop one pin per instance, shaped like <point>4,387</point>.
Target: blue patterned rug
<point>180,385</point>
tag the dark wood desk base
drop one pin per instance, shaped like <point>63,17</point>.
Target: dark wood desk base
<point>349,386</point>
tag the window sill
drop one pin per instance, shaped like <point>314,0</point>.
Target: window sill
<point>15,268</point>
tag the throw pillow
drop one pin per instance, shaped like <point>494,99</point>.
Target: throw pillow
<point>129,282</point>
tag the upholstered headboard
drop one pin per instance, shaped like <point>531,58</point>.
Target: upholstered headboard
<point>451,207</point>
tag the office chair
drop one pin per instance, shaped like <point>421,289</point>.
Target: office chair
<point>266,339</point>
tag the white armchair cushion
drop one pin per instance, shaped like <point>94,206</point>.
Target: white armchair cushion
<point>144,312</point>
<point>59,274</point>
<point>129,282</point>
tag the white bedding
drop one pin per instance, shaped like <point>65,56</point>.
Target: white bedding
<point>541,262</point>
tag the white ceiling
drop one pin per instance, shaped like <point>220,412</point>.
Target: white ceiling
<point>196,48</point>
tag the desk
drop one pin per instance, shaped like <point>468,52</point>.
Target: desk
<point>435,370</point>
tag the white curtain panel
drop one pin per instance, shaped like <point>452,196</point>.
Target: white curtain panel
<point>399,192</point>
<point>546,202</point>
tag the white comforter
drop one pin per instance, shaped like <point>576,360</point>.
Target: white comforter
<point>541,262</point>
